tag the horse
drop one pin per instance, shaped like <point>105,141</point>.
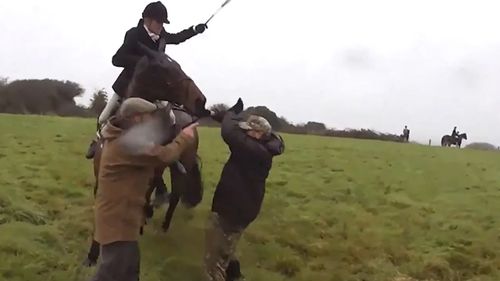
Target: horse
<point>158,77</point>
<point>404,138</point>
<point>448,140</point>
<point>406,134</point>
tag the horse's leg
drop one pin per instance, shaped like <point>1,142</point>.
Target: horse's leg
<point>148,209</point>
<point>94,250</point>
<point>193,188</point>
<point>177,180</point>
<point>174,200</point>
<point>192,191</point>
<point>187,186</point>
<point>161,191</point>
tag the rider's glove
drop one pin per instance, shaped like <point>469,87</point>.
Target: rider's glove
<point>200,28</point>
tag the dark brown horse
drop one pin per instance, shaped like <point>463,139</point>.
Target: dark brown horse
<point>448,140</point>
<point>159,77</point>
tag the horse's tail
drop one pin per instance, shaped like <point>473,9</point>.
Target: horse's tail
<point>443,141</point>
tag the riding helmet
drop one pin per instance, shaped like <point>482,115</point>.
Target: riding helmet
<point>157,11</point>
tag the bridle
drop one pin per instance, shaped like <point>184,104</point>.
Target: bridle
<point>179,107</point>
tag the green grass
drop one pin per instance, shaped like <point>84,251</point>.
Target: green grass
<point>335,210</point>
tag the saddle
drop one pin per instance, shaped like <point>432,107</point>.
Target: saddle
<point>159,105</point>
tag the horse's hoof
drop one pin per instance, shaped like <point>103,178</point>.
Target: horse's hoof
<point>165,227</point>
<point>233,271</point>
<point>89,263</point>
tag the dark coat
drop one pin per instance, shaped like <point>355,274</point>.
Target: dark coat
<point>240,191</point>
<point>130,53</point>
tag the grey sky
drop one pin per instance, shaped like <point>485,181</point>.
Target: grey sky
<point>358,63</point>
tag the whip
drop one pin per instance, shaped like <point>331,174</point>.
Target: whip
<point>220,8</point>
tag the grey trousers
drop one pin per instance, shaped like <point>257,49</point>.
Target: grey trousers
<point>110,107</point>
<point>220,247</point>
<point>120,261</point>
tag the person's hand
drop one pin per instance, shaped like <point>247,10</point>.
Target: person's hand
<point>200,28</point>
<point>190,130</point>
<point>218,115</point>
<point>153,149</point>
<point>238,107</point>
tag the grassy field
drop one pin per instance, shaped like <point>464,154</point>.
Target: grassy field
<point>335,210</point>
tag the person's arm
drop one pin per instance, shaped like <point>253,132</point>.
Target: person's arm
<point>164,155</point>
<point>177,38</point>
<point>168,154</point>
<point>126,55</point>
<point>239,141</point>
<point>276,144</point>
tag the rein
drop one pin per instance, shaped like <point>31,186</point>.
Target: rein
<point>183,108</point>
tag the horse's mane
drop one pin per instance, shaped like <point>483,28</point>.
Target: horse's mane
<point>153,80</point>
<point>145,84</point>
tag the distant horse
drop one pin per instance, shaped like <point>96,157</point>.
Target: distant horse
<point>448,140</point>
<point>159,77</point>
<point>404,137</point>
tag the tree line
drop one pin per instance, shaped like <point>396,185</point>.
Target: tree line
<point>55,97</point>
<point>310,128</point>
<point>47,97</point>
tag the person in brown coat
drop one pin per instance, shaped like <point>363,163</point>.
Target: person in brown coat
<point>127,164</point>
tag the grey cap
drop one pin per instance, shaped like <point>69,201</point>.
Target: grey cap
<point>133,106</point>
<point>256,123</point>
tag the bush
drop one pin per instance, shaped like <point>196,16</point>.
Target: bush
<point>40,97</point>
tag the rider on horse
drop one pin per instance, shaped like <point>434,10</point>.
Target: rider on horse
<point>150,33</point>
<point>455,133</point>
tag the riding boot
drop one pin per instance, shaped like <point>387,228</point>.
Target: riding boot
<point>92,147</point>
<point>110,108</point>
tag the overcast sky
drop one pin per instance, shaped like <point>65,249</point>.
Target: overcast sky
<point>353,63</point>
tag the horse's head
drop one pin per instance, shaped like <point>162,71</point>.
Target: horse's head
<point>463,136</point>
<point>159,77</point>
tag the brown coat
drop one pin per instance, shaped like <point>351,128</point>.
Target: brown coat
<point>123,183</point>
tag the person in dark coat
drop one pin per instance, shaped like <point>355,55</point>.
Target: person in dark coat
<point>454,134</point>
<point>406,134</point>
<point>150,32</point>
<point>239,194</point>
